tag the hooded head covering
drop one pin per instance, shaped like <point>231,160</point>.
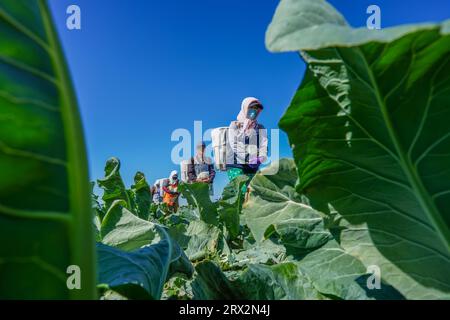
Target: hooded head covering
<point>173,173</point>
<point>248,124</point>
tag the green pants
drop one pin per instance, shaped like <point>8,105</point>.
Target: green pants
<point>233,173</point>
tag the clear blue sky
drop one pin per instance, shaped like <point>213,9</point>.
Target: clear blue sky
<point>143,68</point>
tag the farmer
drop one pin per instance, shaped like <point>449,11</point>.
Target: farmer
<point>200,168</point>
<point>156,192</point>
<point>247,142</point>
<point>171,194</point>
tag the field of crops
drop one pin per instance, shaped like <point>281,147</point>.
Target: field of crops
<point>361,211</point>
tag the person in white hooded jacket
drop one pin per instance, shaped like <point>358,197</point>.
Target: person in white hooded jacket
<point>247,142</point>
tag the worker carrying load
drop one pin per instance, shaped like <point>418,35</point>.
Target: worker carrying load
<point>241,148</point>
<point>200,168</point>
<point>247,143</point>
<point>170,191</point>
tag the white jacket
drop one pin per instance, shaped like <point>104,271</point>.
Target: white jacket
<point>244,145</point>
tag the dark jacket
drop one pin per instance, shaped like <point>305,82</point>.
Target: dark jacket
<point>192,175</point>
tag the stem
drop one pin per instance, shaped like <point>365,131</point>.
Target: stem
<point>80,229</point>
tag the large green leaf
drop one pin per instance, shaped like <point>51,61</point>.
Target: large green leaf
<point>141,274</point>
<point>328,272</point>
<point>316,24</point>
<point>180,263</point>
<point>276,210</point>
<point>370,137</point>
<point>136,275</point>
<point>230,205</point>
<point>275,207</point>
<point>338,275</point>
<point>112,184</point>
<point>142,198</point>
<point>283,281</point>
<point>204,240</point>
<point>280,282</point>
<point>178,233</point>
<point>197,195</point>
<point>122,229</point>
<point>45,206</point>
<point>211,284</point>
<point>267,252</point>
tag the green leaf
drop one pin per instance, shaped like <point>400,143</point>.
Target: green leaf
<point>371,138</point>
<point>112,184</point>
<point>141,274</point>
<point>266,252</point>
<point>141,196</point>
<point>315,24</point>
<point>326,273</point>
<point>96,206</point>
<point>136,275</point>
<point>122,229</point>
<point>276,210</point>
<point>338,275</point>
<point>280,282</point>
<point>211,284</point>
<point>197,195</point>
<point>274,207</point>
<point>180,263</point>
<point>204,240</point>
<point>45,207</point>
<point>178,233</point>
<point>230,205</point>
<point>177,288</point>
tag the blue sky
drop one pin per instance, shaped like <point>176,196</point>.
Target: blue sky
<point>143,68</point>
